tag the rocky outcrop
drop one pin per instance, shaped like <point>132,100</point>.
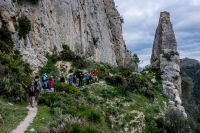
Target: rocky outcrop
<point>91,28</point>
<point>166,58</point>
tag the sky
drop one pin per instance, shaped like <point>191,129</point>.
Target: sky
<point>141,19</point>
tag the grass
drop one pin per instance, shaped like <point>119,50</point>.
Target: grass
<point>12,115</point>
<point>96,108</point>
<point>42,119</point>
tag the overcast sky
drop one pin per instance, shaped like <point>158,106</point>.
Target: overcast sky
<point>141,19</point>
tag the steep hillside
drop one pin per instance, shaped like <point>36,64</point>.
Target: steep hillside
<point>91,28</point>
<point>123,101</point>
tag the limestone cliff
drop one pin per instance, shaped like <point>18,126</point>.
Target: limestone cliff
<point>91,28</point>
<point>166,57</point>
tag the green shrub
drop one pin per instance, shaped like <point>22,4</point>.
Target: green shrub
<point>111,110</point>
<point>6,43</point>
<point>60,87</point>
<point>5,35</point>
<point>170,54</point>
<point>76,128</point>
<point>135,82</point>
<point>67,55</point>
<point>50,67</point>
<point>15,74</point>
<point>77,61</point>
<point>137,60</point>
<point>115,80</point>
<point>175,122</point>
<point>92,115</point>
<point>147,92</point>
<point>24,27</point>
<point>155,71</point>
<point>6,47</point>
<point>73,90</point>
<point>48,99</point>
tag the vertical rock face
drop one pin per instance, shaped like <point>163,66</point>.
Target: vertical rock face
<point>166,58</point>
<point>91,28</point>
<point>164,39</point>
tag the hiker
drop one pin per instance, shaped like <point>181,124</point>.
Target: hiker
<point>80,76</point>
<point>95,75</point>
<point>51,83</point>
<point>70,79</point>
<point>74,79</point>
<point>34,90</point>
<point>87,78</point>
<point>45,84</point>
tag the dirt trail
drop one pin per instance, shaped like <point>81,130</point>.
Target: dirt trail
<point>22,127</point>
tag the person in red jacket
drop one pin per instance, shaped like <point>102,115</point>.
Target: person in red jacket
<point>95,75</point>
<point>51,84</point>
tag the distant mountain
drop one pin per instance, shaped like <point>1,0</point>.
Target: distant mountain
<point>190,71</point>
<point>191,68</point>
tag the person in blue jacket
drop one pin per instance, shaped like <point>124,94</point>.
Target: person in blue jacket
<point>87,78</point>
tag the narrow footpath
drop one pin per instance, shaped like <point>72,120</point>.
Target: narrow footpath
<point>23,126</point>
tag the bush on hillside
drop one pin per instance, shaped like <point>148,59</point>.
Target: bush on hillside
<point>137,60</point>
<point>50,67</point>
<point>92,115</point>
<point>155,71</point>
<point>48,99</point>
<point>175,122</point>
<point>136,82</point>
<point>6,47</point>
<point>62,87</point>
<point>115,80</point>
<point>15,74</point>
<point>68,55</point>
<point>6,43</point>
<point>24,27</point>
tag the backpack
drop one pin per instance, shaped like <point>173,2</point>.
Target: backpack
<point>33,88</point>
<point>36,85</point>
<point>44,78</point>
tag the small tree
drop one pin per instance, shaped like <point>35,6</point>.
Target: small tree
<point>175,122</point>
<point>24,27</point>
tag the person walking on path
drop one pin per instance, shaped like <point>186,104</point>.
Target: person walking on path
<point>80,76</point>
<point>70,79</point>
<point>95,75</point>
<point>87,78</point>
<point>45,84</point>
<point>51,83</point>
<point>34,90</point>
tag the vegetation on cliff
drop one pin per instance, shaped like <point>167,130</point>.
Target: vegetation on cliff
<point>24,27</point>
<point>15,74</point>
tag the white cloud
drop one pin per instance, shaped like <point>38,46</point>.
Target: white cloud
<point>141,19</point>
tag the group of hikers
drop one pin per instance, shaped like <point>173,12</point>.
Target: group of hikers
<point>48,83</point>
